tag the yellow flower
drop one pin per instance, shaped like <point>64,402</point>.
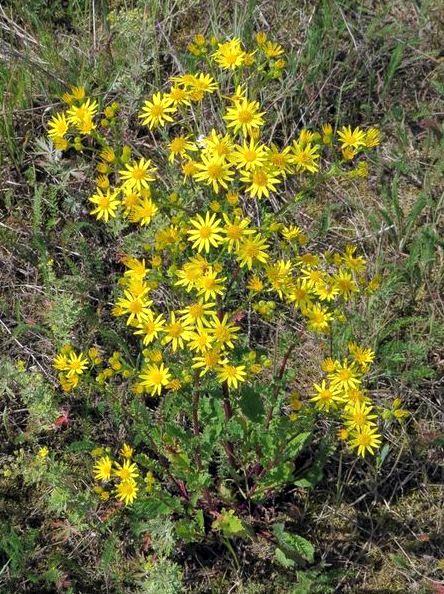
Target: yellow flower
<point>326,397</point>
<point>304,157</point>
<point>158,111</point>
<point>126,471</point>
<point>244,116</point>
<point>372,138</point>
<point>189,168</point>
<point>318,317</point>
<point>81,116</point>
<point>252,250</point>
<point>103,469</point>
<point>232,374</point>
<point>200,339</point>
<point>143,211</point>
<point>76,364</point>
<point>235,230</point>
<point>260,181</point>
<point>58,126</point>
<point>345,284</point>
<point>223,331</point>
<point>154,377</point>
<point>137,306</point>
<point>215,171</point>
<point>345,376</point>
<point>367,439</point>
<point>361,355</point>
<point>206,232</point>
<point>272,50</point>
<point>178,96</point>
<point>351,138</point>
<point>282,160</point>
<point>107,204</point>
<point>197,313</point>
<point>229,55</point>
<point>43,452</point>
<point>218,145</point>
<point>126,451</point>
<point>255,284</point>
<point>179,145</point>
<point>150,327</point>
<point>137,175</point>
<point>209,285</point>
<point>126,491</point>
<point>176,332</point>
<point>329,365</point>
<point>207,361</point>
<point>358,415</point>
<point>249,155</point>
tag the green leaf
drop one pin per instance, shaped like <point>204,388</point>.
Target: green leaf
<point>229,524</point>
<point>251,404</point>
<point>293,545</point>
<point>282,559</point>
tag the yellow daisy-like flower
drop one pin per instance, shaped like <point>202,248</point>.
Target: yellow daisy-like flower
<point>197,313</point>
<point>126,491</point>
<point>260,182</point>
<point>176,332</point>
<point>224,332</point>
<point>244,116</point>
<point>229,55</point>
<point>304,157</point>
<point>364,357</point>
<point>208,361</point>
<point>252,250</point>
<point>150,327</point>
<point>127,470</point>
<point>179,146</point>
<point>366,439</point>
<point>218,145</point>
<point>272,49</point>
<point>178,96</point>
<point>300,294</point>
<point>203,83</point>
<point>143,211</point>
<point>83,113</point>
<point>158,111</point>
<point>318,317</point>
<point>351,139</point>
<point>372,138</point>
<point>358,415</point>
<point>138,174</point>
<point>345,284</point>
<point>235,230</point>
<point>126,451</point>
<point>58,126</point>
<point>200,339</point>
<point>103,469</point>
<point>345,376</point>
<point>106,204</point>
<point>206,232</point>
<point>232,374</point>
<point>154,377</point>
<point>249,155</point>
<point>326,397</point>
<point>76,364</point>
<point>209,286</point>
<point>280,160</point>
<point>214,171</point>
<point>137,306</point>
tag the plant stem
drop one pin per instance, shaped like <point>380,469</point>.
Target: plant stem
<point>228,410</point>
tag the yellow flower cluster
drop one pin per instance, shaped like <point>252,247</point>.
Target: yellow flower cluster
<point>124,475</point>
<point>220,255</point>
<point>71,366</point>
<point>342,392</point>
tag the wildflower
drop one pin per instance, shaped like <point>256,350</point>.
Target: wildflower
<point>106,204</point>
<point>103,468</point>
<point>197,313</point>
<point>137,175</point>
<point>260,182</point>
<point>81,116</point>
<point>143,211</point>
<point>126,451</point>
<point>244,116</point>
<point>158,111</point>
<point>232,374</point>
<point>235,230</point>
<point>249,155</point>
<point>319,318</point>
<point>358,415</point>
<point>209,285</point>
<point>366,439</point>
<point>178,96</point>
<point>223,331</point>
<point>176,331</point>
<point>214,171</point>
<point>251,250</point>
<point>127,470</point>
<point>207,361</point>
<point>179,145</point>
<point>189,168</point>
<point>345,376</point>
<point>345,284</point>
<point>351,138</point>
<point>361,355</point>
<point>372,138</point>
<point>255,284</point>
<point>150,327</point>
<point>328,365</point>
<point>229,55</point>
<point>326,396</point>
<point>154,377</point>
<point>200,339</point>
<point>280,160</point>
<point>304,157</point>
<point>126,491</point>
<point>299,293</point>
<point>43,452</point>
<point>206,232</point>
<point>76,364</point>
<point>58,126</point>
<point>137,306</point>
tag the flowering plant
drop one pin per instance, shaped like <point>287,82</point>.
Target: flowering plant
<point>221,291</point>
